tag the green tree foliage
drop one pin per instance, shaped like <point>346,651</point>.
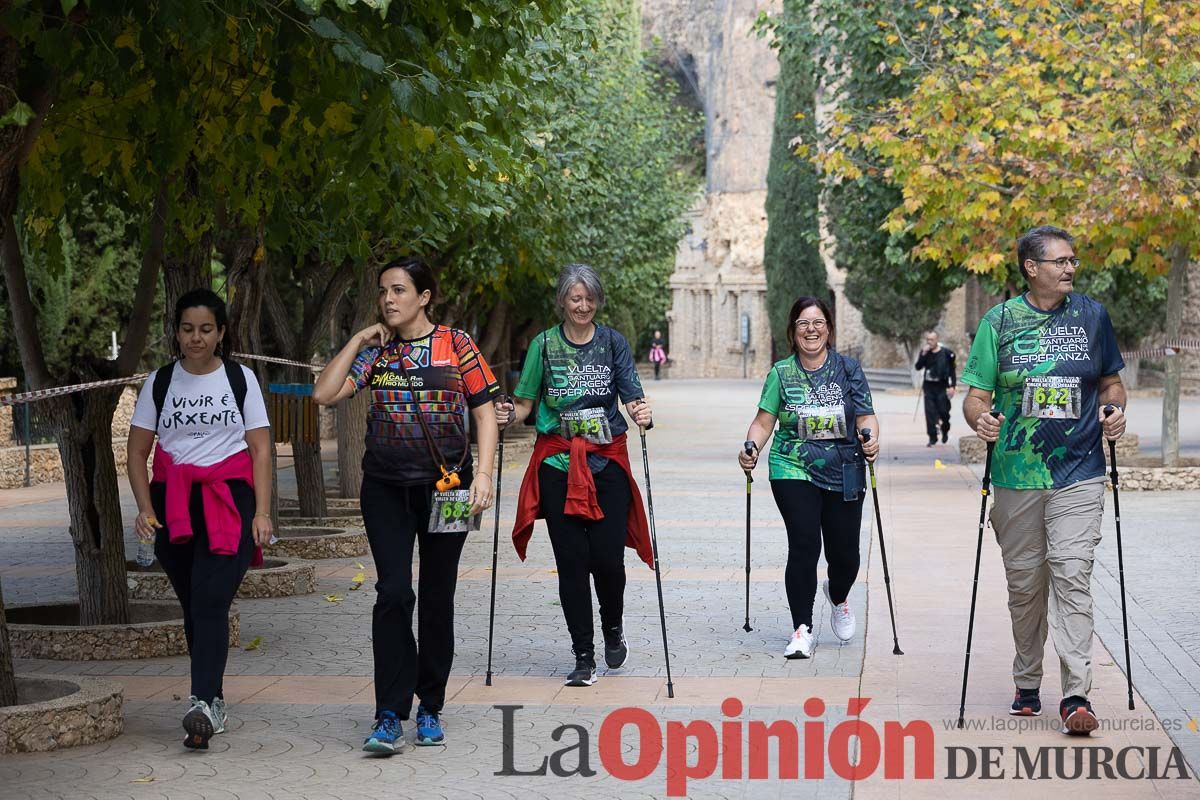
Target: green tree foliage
<point>90,293</point>
<point>791,255</point>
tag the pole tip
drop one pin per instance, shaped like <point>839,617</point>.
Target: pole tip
<point>896,651</point>
<point>747,627</point>
<point>671,691</point>
<point>488,680</point>
<point>960,723</point>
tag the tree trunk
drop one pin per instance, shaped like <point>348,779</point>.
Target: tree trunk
<point>1177,286</point>
<point>83,428</point>
<point>310,479</point>
<point>183,272</point>
<point>352,413</point>
<point>8,682</point>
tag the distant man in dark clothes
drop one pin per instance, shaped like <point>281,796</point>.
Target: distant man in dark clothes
<point>940,379</point>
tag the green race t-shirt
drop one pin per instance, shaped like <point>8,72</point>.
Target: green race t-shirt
<point>1043,368</point>
<point>569,379</point>
<point>816,410</point>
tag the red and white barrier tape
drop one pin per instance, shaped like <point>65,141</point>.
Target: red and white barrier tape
<point>59,391</point>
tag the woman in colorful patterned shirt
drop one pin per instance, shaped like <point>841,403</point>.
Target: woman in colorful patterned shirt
<point>423,380</point>
<point>822,401</point>
<point>579,479</point>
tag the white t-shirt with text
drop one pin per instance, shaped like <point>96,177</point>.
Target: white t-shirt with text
<point>200,423</point>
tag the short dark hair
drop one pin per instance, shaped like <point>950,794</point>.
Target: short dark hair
<point>203,298</point>
<point>798,307</point>
<point>418,271</point>
<point>1032,244</point>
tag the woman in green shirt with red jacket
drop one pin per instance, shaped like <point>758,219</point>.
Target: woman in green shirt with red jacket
<point>822,401</point>
<point>579,479</point>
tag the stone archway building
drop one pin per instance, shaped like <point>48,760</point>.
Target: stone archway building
<point>719,272</point>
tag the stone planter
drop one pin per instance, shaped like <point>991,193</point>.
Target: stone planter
<point>318,543</point>
<point>276,577</point>
<point>53,631</point>
<point>291,518</point>
<point>56,712</point>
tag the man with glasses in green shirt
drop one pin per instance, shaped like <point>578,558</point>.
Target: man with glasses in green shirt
<point>1048,361</point>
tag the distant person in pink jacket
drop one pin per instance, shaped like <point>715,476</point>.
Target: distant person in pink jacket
<point>208,509</point>
<point>658,353</point>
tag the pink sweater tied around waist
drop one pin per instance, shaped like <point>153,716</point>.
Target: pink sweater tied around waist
<point>221,517</point>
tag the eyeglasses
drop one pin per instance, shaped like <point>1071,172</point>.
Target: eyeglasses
<point>817,324</point>
<point>1061,263</point>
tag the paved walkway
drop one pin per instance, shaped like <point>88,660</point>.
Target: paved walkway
<point>302,700</point>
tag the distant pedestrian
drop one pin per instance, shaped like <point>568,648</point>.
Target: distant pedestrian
<point>939,384</point>
<point>209,506</point>
<point>658,353</point>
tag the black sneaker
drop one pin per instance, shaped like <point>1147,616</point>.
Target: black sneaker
<point>945,433</point>
<point>931,443</point>
<point>616,649</point>
<point>1078,719</point>
<point>1026,703</point>
<point>584,673</point>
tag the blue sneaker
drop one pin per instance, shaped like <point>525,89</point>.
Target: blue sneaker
<point>429,728</point>
<point>386,735</point>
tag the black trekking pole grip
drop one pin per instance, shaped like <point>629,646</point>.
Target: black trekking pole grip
<point>749,446</point>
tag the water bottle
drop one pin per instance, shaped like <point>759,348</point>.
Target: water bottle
<point>145,552</point>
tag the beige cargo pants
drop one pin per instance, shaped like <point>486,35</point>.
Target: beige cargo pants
<point>1048,540</point>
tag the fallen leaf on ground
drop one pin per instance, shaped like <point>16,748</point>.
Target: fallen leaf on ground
<point>254,643</point>
<point>357,581</point>
<point>937,464</point>
<point>333,598</point>
<point>142,780</point>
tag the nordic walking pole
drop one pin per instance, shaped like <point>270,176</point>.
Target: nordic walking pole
<point>987,482</point>
<point>1112,463</point>
<point>887,580</point>
<point>487,681</point>
<point>662,615</point>
<point>750,447</point>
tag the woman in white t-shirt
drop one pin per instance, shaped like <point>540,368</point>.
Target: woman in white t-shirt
<point>208,508</point>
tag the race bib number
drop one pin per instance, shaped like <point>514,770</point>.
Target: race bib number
<point>451,513</point>
<point>590,423</point>
<point>1051,397</point>
<point>821,422</point>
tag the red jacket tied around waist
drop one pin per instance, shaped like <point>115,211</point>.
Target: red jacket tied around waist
<point>221,517</point>
<point>581,491</point>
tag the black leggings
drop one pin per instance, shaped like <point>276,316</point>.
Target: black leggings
<point>395,517</point>
<point>205,583</point>
<point>811,513</point>
<point>585,549</point>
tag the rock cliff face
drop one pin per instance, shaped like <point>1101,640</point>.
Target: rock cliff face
<point>719,275</point>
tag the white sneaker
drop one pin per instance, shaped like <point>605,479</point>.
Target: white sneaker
<point>220,714</point>
<point>840,616</point>
<point>801,645</point>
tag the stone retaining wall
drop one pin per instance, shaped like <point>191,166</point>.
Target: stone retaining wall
<point>89,711</point>
<point>289,579</point>
<point>336,543</point>
<point>108,642</point>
